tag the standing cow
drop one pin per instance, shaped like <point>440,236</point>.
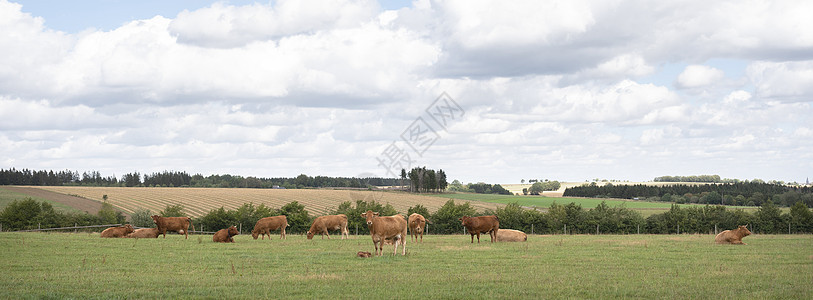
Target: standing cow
<point>175,224</point>
<point>483,224</point>
<point>733,236</point>
<point>265,225</point>
<point>117,232</point>
<point>417,223</point>
<point>225,235</point>
<point>324,223</point>
<point>381,228</point>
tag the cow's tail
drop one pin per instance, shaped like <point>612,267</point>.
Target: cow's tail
<point>427,221</point>
<point>190,223</point>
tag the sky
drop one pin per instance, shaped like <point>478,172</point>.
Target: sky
<point>488,91</point>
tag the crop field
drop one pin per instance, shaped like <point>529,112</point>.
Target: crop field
<point>199,201</point>
<point>645,208</point>
<point>82,265</point>
<point>7,196</point>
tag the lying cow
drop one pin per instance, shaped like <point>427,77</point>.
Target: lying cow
<point>225,235</point>
<point>381,228</point>
<point>117,232</point>
<point>144,233</point>
<point>484,224</point>
<point>416,225</point>
<point>733,236</point>
<point>510,235</point>
<point>324,223</point>
<point>265,225</point>
<point>174,224</point>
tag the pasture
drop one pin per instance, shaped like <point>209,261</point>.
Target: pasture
<point>82,265</point>
<point>199,201</point>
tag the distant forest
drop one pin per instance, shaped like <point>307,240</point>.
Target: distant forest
<point>182,179</point>
<point>742,193</point>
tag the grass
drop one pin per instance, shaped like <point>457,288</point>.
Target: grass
<point>67,265</point>
<point>645,208</point>
<point>6,197</point>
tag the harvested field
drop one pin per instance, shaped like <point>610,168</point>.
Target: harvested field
<point>199,201</point>
<point>79,203</point>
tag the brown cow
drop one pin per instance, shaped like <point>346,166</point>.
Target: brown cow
<point>117,232</point>
<point>144,233</point>
<point>510,235</point>
<point>324,223</point>
<point>416,225</point>
<point>484,224</point>
<point>381,228</point>
<point>733,236</point>
<point>265,225</point>
<point>225,235</point>
<point>175,224</point>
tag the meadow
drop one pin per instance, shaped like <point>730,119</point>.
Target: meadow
<point>82,265</point>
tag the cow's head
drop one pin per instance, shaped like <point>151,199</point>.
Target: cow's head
<point>743,229</point>
<point>233,231</point>
<point>155,219</point>
<point>310,235</point>
<point>369,215</point>
<point>128,228</point>
<point>463,220</point>
<point>255,233</point>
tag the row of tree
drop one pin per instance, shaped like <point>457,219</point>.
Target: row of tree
<point>750,193</point>
<point>714,179</point>
<point>559,218</point>
<point>180,179</point>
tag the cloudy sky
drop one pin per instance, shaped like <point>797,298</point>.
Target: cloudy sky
<point>565,90</point>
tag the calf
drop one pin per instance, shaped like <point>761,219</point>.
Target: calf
<point>117,232</point>
<point>324,223</point>
<point>381,228</point>
<point>265,225</point>
<point>416,225</point>
<point>484,224</point>
<point>174,224</point>
<point>510,235</point>
<point>225,235</point>
<point>733,236</point>
<point>144,233</point>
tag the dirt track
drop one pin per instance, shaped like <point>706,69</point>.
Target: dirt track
<point>87,205</point>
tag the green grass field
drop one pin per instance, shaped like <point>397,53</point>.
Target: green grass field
<point>68,265</point>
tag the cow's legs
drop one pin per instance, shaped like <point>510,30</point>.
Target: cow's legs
<point>472,238</point>
<point>403,241</point>
<point>478,237</point>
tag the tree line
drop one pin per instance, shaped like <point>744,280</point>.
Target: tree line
<point>183,179</point>
<point>568,218</point>
<point>741,193</point>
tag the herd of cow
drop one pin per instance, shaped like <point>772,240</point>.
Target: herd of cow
<point>383,229</point>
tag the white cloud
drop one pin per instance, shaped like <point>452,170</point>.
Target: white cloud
<point>784,81</point>
<point>226,26</point>
<point>695,76</point>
